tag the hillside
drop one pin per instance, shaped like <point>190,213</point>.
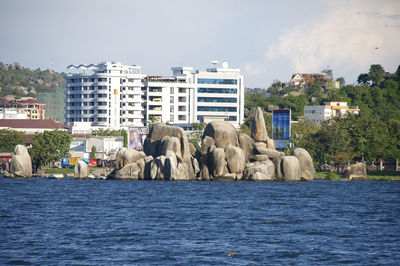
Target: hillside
<point>19,81</point>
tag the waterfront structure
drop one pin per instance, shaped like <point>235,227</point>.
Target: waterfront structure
<point>328,111</point>
<point>54,102</point>
<point>105,95</point>
<point>13,109</point>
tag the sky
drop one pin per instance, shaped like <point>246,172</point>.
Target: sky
<point>266,40</point>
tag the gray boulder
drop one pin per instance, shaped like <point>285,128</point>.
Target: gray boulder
<point>129,171</point>
<point>159,136</point>
<point>245,143</point>
<point>291,168</point>
<point>223,133</point>
<point>21,164</point>
<point>271,144</point>
<point>235,159</point>
<point>261,157</point>
<point>355,170</point>
<point>272,154</point>
<point>264,171</point>
<point>219,163</point>
<point>173,144</point>
<point>258,131</point>
<point>306,163</point>
<point>126,156</point>
<point>81,170</point>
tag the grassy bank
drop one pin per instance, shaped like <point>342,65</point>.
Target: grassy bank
<point>68,170</point>
<point>374,177</point>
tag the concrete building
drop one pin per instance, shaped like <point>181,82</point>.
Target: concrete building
<point>328,111</point>
<point>112,95</point>
<point>13,114</point>
<point>196,96</point>
<point>107,95</point>
<point>32,108</point>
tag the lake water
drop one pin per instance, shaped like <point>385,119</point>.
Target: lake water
<point>93,222</point>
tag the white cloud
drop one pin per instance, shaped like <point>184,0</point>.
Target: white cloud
<point>254,69</point>
<point>346,38</point>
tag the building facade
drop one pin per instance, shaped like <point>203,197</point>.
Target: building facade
<point>105,95</point>
<point>112,95</point>
<point>54,102</point>
<point>328,111</point>
<point>32,108</point>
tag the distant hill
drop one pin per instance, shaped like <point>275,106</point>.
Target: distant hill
<point>19,81</point>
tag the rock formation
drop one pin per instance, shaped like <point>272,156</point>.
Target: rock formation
<point>223,152</point>
<point>258,131</point>
<point>306,163</point>
<point>81,170</point>
<point>169,147</point>
<point>355,170</point>
<point>21,164</point>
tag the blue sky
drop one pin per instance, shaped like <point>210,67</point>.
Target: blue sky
<point>267,40</point>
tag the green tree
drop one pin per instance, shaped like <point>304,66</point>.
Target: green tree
<point>93,153</point>
<point>376,74</point>
<point>363,79</point>
<point>49,147</point>
<point>9,139</point>
<point>125,135</point>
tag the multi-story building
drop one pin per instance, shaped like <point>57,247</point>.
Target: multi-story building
<point>54,102</point>
<point>219,95</point>
<point>196,96</point>
<point>106,95</point>
<point>116,96</point>
<point>32,108</point>
<point>328,111</point>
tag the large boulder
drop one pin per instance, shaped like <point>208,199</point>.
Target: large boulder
<point>258,131</point>
<point>306,163</point>
<point>291,168</point>
<point>163,138</point>
<point>129,171</point>
<point>223,133</point>
<point>245,143</point>
<point>355,170</point>
<point>219,163</point>
<point>126,156</point>
<point>272,154</point>
<point>81,170</point>
<point>235,159</point>
<point>173,144</point>
<point>264,171</point>
<point>21,164</point>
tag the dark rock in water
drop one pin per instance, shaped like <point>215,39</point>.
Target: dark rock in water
<point>355,170</point>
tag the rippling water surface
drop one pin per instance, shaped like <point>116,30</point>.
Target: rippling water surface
<point>145,222</point>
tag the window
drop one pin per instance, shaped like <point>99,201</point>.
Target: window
<point>171,118</point>
<point>181,117</point>
<point>171,90</point>
<point>217,90</point>
<point>216,109</point>
<point>217,81</point>
<point>216,100</point>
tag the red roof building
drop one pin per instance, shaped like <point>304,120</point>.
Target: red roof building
<point>30,126</point>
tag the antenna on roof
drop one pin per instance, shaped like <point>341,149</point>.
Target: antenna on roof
<point>214,62</point>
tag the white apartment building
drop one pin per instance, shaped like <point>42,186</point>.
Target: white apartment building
<point>196,96</point>
<point>112,95</point>
<point>105,95</point>
<point>325,112</point>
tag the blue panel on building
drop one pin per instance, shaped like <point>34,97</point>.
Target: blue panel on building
<point>281,128</point>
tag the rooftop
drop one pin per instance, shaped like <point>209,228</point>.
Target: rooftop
<point>29,123</point>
